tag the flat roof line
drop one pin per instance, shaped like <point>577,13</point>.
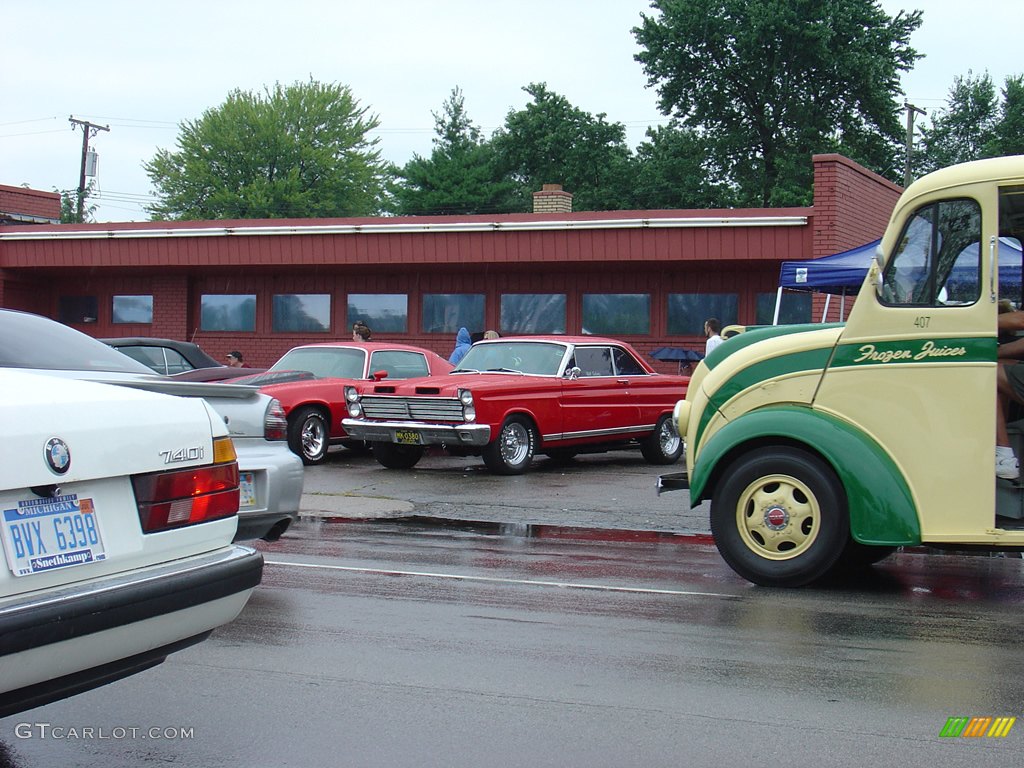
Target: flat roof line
<point>407,228</point>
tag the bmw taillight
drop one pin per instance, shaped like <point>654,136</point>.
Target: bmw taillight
<point>188,496</point>
<point>275,424</point>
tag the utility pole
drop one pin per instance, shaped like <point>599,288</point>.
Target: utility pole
<point>911,110</point>
<point>89,130</point>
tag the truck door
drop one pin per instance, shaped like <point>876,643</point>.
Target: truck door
<point>915,367</point>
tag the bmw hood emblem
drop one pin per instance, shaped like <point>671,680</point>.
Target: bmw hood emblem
<point>58,455</point>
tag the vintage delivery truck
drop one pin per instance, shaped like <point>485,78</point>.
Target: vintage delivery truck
<point>825,447</point>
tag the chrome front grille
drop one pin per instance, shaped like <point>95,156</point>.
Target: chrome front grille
<point>416,408</point>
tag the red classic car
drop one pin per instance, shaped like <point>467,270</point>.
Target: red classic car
<point>513,397</point>
<point>310,380</point>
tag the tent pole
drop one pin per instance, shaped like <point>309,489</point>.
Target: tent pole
<point>824,315</point>
<point>842,306</point>
<point>778,303</point>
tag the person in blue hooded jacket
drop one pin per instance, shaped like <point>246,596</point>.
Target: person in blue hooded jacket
<point>463,341</point>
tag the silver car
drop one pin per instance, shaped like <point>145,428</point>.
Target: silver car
<point>270,474</point>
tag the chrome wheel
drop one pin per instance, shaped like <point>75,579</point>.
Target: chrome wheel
<point>309,435</point>
<point>511,452</point>
<point>514,443</point>
<point>314,437</point>
<point>663,445</point>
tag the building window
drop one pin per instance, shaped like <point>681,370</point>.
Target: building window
<point>794,308</point>
<point>533,313</point>
<point>227,312</point>
<point>77,309</point>
<point>132,309</point>
<point>447,312</point>
<point>383,312</point>
<point>614,314</point>
<point>688,311</point>
<point>301,313</point>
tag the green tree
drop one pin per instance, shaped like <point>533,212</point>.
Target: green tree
<point>965,128</point>
<point>673,169</point>
<point>69,205</point>
<point>767,83</point>
<point>459,176</point>
<point>1008,134</point>
<point>552,142</point>
<point>296,151</point>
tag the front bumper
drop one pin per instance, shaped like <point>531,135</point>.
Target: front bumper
<point>673,481</point>
<point>473,435</point>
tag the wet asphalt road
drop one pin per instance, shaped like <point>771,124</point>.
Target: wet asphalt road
<point>383,644</point>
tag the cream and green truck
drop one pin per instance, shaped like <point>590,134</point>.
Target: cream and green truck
<point>824,447</point>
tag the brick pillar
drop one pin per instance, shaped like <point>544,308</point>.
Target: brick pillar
<point>552,199</point>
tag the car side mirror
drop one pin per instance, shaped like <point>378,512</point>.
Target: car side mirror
<point>378,375</point>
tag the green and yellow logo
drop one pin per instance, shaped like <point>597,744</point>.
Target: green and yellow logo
<point>977,727</point>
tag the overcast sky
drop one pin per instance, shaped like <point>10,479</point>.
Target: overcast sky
<point>144,67</point>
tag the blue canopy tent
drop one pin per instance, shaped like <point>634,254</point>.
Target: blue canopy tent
<point>844,272</point>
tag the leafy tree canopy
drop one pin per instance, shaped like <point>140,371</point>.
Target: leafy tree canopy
<point>296,151</point>
<point>460,174</point>
<point>767,83</point>
<point>673,169</point>
<point>973,124</point>
<point>550,141</point>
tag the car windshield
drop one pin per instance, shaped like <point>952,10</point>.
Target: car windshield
<point>31,341</point>
<point>534,357</point>
<point>325,362</point>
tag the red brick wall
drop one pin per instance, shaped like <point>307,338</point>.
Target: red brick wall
<point>852,205</point>
<point>29,202</point>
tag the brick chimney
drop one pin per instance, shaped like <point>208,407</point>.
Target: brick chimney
<point>552,199</point>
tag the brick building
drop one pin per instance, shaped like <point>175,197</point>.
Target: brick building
<point>264,286</point>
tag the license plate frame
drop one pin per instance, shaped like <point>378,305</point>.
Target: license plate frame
<point>46,534</point>
<point>408,437</point>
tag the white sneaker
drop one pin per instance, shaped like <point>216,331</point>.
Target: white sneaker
<point>1007,467</point>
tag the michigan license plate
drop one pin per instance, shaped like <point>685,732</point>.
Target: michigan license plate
<point>407,437</point>
<point>45,534</point>
<point>246,489</point>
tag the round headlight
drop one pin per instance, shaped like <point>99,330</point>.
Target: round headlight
<point>354,410</point>
<point>351,395</point>
<point>465,397</point>
<point>469,413</point>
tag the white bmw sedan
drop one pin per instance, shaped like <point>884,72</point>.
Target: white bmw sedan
<point>117,511</point>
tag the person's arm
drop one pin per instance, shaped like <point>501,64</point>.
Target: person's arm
<point>1010,321</point>
<point>1011,349</point>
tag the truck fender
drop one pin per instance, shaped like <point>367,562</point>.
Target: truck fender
<point>881,506</point>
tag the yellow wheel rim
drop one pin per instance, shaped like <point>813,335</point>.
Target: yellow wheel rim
<point>778,517</point>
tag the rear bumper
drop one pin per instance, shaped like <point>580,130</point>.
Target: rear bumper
<point>278,477</point>
<point>475,435</point>
<point>58,642</point>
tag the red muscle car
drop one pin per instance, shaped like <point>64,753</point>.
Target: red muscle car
<point>516,396</point>
<point>309,381</point>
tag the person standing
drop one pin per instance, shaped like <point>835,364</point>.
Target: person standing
<point>712,328</point>
<point>235,359</point>
<point>463,341</point>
